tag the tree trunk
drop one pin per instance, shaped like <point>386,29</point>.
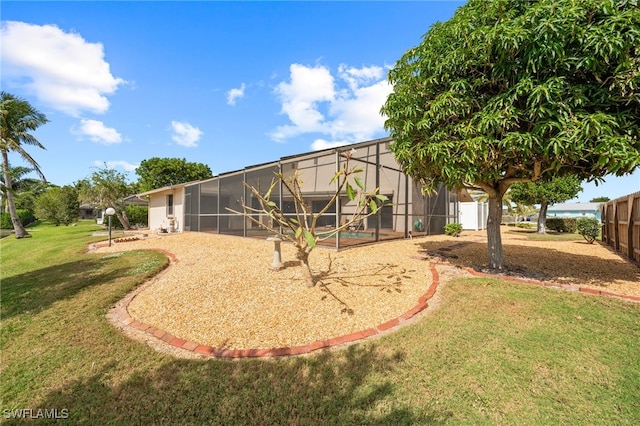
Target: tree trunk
<point>306,269</point>
<point>542,218</point>
<point>494,239</point>
<point>122,217</point>
<point>19,230</point>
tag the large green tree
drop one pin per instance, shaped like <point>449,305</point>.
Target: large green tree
<point>159,172</point>
<point>59,205</point>
<point>545,193</point>
<point>107,188</point>
<point>514,91</point>
<point>17,120</point>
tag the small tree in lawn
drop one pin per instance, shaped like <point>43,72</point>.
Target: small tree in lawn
<point>545,193</point>
<point>301,228</point>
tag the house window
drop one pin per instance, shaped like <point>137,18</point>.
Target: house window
<point>170,205</point>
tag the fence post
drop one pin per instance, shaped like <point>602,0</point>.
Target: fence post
<point>616,225</point>
<point>603,224</point>
<point>630,244</point>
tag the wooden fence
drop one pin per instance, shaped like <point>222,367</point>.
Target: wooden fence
<point>621,225</point>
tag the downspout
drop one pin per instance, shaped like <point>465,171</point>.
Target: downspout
<point>338,212</point>
<point>406,206</point>
<point>378,215</point>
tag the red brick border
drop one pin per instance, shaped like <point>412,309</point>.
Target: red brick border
<point>567,287</point>
<point>125,320</point>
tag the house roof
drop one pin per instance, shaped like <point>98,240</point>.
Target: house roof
<point>282,159</point>
<point>167,188</point>
<point>135,199</point>
<point>574,207</point>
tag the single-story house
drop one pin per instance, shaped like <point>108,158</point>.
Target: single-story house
<point>576,210</point>
<point>203,206</point>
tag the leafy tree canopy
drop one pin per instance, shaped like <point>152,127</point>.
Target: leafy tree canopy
<point>600,200</point>
<point>553,191</point>
<point>107,188</point>
<point>159,172</point>
<point>59,205</point>
<point>510,91</point>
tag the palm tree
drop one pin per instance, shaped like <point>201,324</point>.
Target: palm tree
<point>17,119</point>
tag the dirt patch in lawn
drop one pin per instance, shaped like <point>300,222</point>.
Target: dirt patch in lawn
<point>221,292</point>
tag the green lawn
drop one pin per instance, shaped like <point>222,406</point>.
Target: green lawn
<point>532,234</point>
<point>492,353</point>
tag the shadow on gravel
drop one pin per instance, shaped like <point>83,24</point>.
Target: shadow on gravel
<point>539,263</point>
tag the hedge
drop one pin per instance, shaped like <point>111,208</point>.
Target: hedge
<point>560,224</point>
<point>26,217</point>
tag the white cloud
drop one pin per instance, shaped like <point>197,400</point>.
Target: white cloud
<point>358,76</point>
<point>345,108</point>
<point>357,114</point>
<point>185,134</point>
<point>61,69</point>
<point>320,144</point>
<point>98,132</point>
<point>300,98</point>
<point>114,164</point>
<point>234,94</point>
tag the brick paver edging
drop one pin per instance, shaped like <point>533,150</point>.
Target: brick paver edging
<point>121,315</point>
<point>125,320</point>
<point>567,287</point>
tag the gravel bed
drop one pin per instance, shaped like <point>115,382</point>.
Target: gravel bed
<point>222,293</point>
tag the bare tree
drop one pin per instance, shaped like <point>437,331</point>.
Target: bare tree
<point>301,227</point>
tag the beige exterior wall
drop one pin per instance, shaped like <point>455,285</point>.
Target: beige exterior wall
<point>159,216</point>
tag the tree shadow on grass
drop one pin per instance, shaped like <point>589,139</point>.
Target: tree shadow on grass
<point>332,387</point>
<point>37,290</point>
<point>540,263</point>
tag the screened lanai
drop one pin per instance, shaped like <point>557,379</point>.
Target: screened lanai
<point>207,203</point>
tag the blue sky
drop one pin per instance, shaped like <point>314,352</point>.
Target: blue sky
<point>228,84</point>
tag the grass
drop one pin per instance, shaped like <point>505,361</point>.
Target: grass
<point>532,234</point>
<point>491,353</point>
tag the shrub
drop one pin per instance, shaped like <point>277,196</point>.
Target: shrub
<point>559,224</point>
<point>138,215</point>
<point>453,229</point>
<point>525,225</point>
<point>589,228</point>
<point>26,217</point>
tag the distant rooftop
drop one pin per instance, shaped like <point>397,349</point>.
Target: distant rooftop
<point>575,207</point>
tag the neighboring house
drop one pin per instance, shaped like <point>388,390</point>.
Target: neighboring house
<point>203,205</point>
<point>99,214</point>
<point>576,210</point>
<point>87,211</point>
